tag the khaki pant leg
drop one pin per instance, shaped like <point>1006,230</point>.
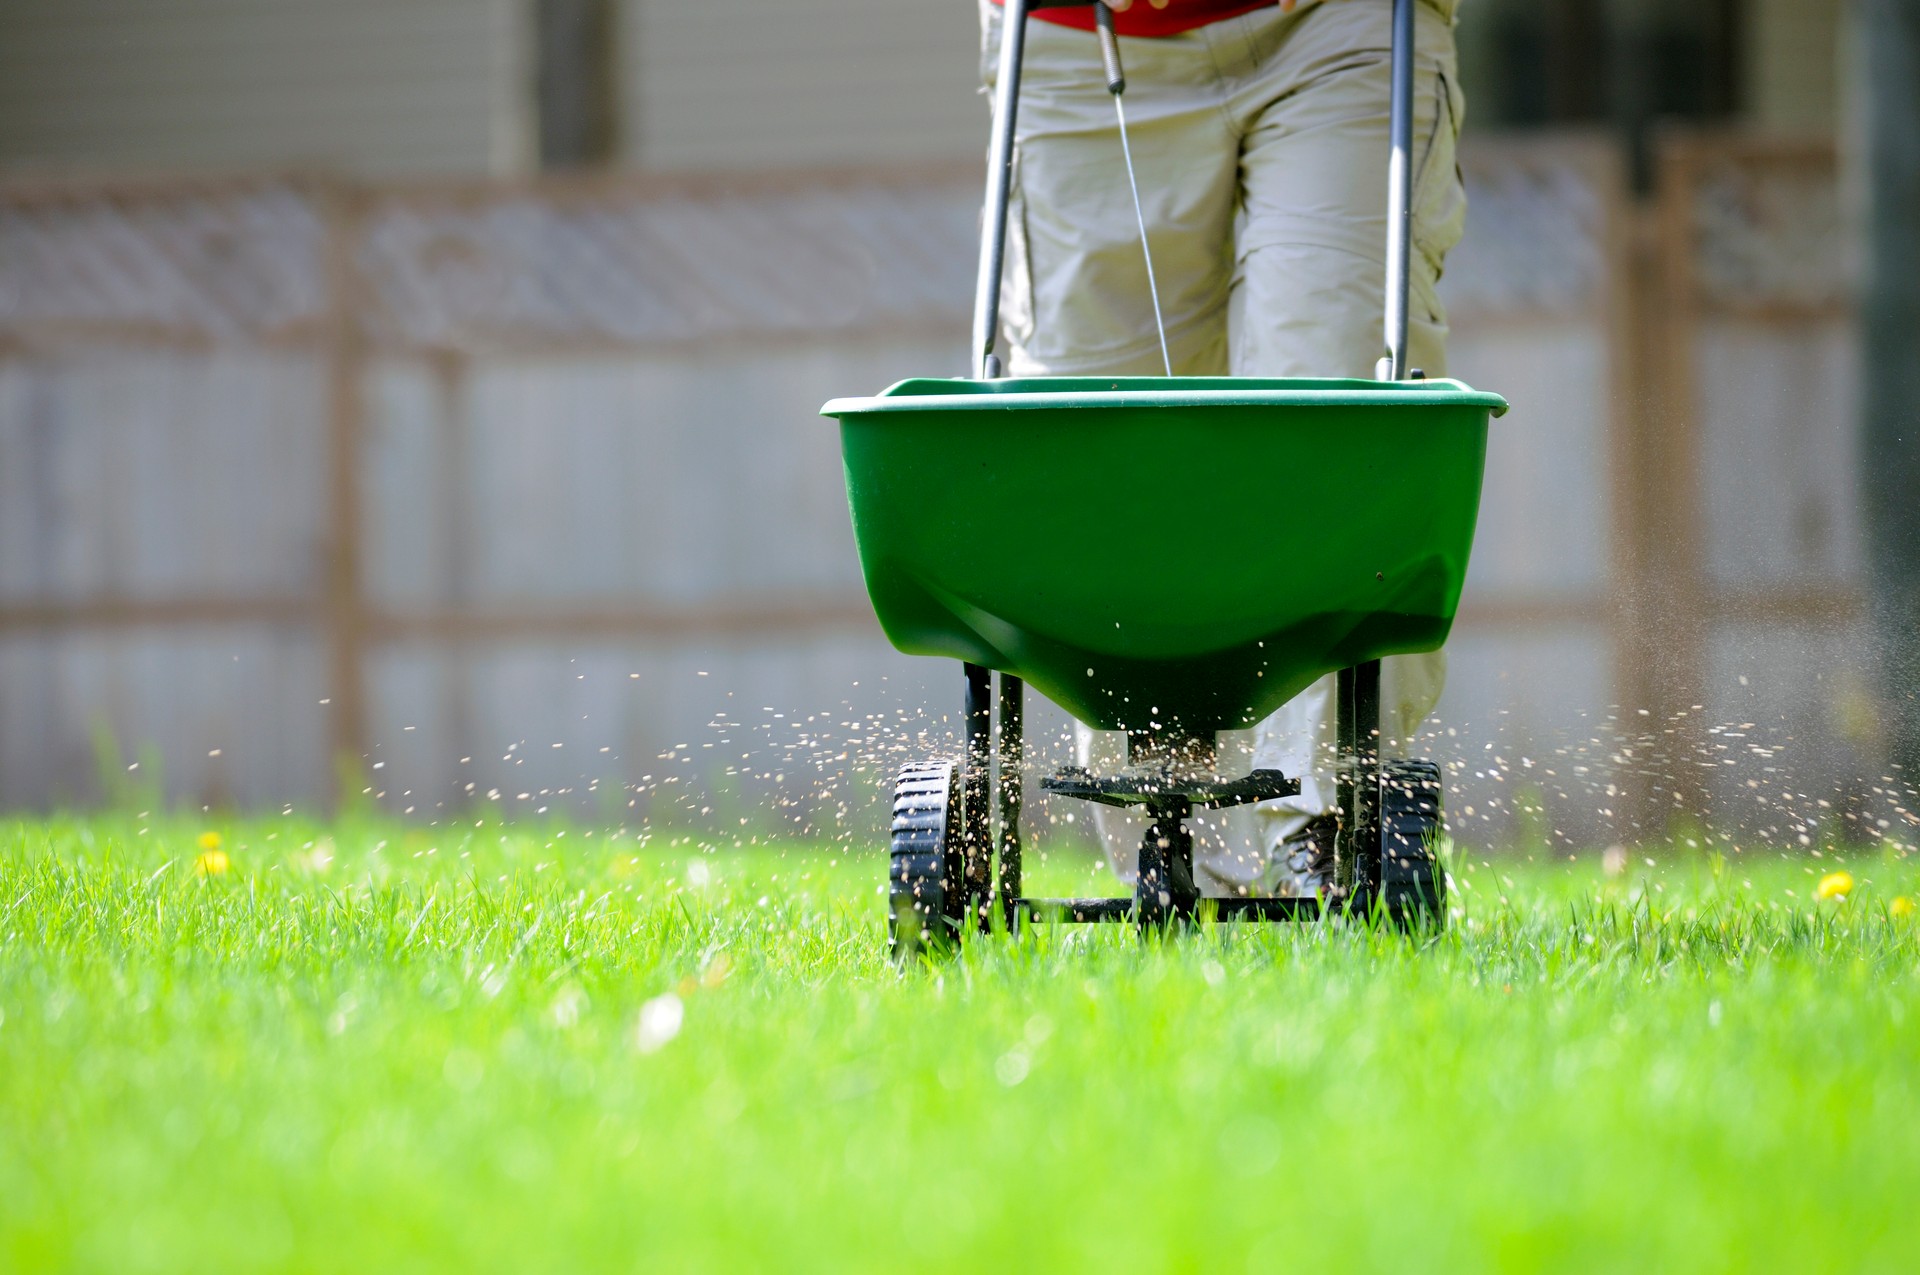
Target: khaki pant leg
<point>1307,297</point>
<point>1074,298</point>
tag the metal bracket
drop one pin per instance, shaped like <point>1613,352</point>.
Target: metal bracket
<point>1164,789</point>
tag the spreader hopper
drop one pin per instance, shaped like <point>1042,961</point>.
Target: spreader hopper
<point>1174,556</point>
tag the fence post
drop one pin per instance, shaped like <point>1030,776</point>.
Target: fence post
<point>1890,371</point>
<point>1633,339</point>
<point>1659,559</point>
<point>344,604</point>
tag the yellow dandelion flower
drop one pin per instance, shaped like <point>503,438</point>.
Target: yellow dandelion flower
<point>210,840</point>
<point>1901,908</point>
<point>1834,885</point>
<point>211,863</point>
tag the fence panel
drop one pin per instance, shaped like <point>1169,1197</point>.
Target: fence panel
<point>446,475</point>
<point>1763,387</point>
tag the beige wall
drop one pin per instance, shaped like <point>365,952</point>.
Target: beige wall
<point>444,86</point>
<point>757,83</point>
<point>1792,63</point>
<point>374,86</point>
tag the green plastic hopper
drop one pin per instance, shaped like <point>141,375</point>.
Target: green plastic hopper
<point>1177,555</point>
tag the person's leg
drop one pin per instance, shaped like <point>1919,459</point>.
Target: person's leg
<point>1075,297</point>
<point>1307,295</point>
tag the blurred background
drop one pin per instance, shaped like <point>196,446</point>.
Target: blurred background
<point>414,400</point>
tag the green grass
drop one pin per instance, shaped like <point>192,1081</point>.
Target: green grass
<point>374,1047</point>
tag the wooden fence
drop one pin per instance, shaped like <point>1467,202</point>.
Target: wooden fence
<point>390,449</point>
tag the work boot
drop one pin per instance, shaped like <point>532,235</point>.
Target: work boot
<point>1303,863</point>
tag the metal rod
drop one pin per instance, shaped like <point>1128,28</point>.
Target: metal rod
<point>977,795</point>
<point>1366,721</point>
<point>1345,746</point>
<point>1012,750</point>
<point>993,227</point>
<point>1356,846</point>
<point>1109,48</point>
<point>1399,194</point>
<point>1153,288</point>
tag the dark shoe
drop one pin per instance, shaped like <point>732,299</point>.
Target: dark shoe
<point>1303,865</point>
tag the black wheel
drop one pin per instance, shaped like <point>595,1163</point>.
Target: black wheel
<point>1413,885</point>
<point>926,894</point>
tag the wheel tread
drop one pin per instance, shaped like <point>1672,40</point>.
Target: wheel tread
<point>1413,884</point>
<point>924,860</point>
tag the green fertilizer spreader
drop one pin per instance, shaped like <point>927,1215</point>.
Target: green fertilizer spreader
<point>1116,543</point>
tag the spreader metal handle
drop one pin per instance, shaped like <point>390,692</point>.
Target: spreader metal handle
<point>1399,194</point>
<point>993,227</point>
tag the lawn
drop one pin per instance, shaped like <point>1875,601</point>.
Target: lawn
<point>372,1046</point>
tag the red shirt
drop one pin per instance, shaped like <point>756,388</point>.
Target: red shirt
<point>1144,19</point>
